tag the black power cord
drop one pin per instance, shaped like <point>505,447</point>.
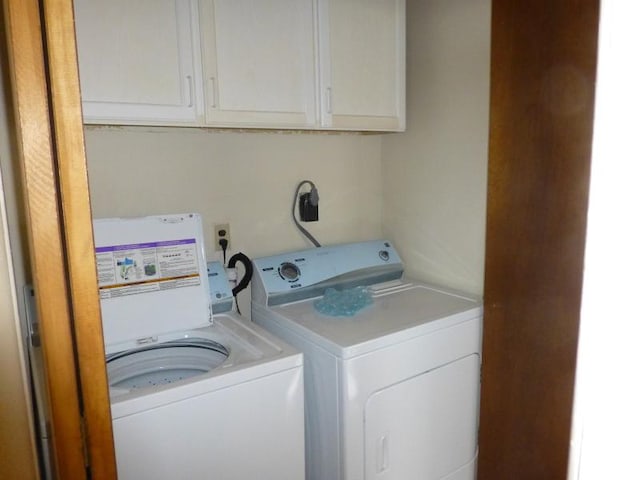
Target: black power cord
<point>223,242</point>
<point>313,200</point>
<point>246,279</point>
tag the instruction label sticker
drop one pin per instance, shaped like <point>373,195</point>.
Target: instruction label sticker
<point>147,267</point>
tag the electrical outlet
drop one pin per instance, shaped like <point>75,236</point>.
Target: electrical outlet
<point>221,231</point>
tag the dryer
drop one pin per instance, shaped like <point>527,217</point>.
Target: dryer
<point>196,391</point>
<point>391,392</point>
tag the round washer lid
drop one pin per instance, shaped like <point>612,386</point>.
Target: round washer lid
<point>164,363</point>
<point>152,276</point>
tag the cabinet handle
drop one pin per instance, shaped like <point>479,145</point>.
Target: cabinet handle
<point>328,99</point>
<point>190,86</point>
<point>212,86</point>
<point>382,462</point>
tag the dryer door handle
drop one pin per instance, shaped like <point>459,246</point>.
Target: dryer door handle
<point>382,454</point>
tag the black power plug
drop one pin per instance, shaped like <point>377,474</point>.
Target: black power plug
<point>224,243</point>
<point>308,211</point>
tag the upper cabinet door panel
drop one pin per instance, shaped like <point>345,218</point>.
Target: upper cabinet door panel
<point>259,62</point>
<point>136,60</point>
<point>308,64</point>
<point>362,45</point>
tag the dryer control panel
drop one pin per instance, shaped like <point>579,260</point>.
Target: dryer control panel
<point>311,271</point>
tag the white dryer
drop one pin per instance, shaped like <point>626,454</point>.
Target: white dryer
<point>391,392</point>
<point>196,391</point>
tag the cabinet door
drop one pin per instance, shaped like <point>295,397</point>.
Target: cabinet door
<point>136,61</point>
<point>258,62</point>
<point>362,64</point>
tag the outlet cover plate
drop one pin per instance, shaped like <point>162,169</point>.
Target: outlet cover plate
<point>220,231</point>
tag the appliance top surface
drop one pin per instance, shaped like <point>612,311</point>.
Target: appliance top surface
<point>401,309</point>
<point>253,353</point>
<point>246,341</point>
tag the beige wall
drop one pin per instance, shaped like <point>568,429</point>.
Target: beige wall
<point>17,447</point>
<point>244,179</point>
<point>17,450</point>
<point>434,175</point>
<point>16,443</point>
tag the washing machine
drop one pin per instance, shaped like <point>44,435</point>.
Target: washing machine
<point>196,391</point>
<point>392,383</point>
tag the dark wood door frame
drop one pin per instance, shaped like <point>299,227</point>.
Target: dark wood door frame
<point>543,66</point>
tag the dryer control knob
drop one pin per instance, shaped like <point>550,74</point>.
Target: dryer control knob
<point>289,271</point>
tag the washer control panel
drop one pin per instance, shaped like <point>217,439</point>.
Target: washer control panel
<point>294,270</point>
<point>220,295</point>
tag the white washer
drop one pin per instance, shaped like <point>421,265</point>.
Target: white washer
<point>196,391</point>
<point>391,392</point>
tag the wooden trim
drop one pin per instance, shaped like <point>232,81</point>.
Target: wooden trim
<point>543,64</point>
<point>77,224</point>
<point>25,49</point>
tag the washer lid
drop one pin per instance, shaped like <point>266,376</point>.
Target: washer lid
<point>152,276</point>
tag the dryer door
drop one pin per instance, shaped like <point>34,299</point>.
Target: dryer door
<point>425,427</point>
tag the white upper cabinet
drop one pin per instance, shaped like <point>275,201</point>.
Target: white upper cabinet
<point>137,62</point>
<point>301,64</point>
<point>258,62</point>
<point>362,64</point>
